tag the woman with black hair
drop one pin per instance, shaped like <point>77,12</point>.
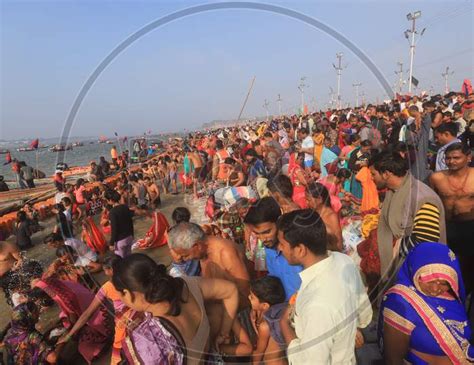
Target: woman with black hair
<point>320,202</point>
<point>174,326</point>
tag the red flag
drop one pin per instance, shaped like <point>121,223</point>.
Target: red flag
<point>35,144</point>
<point>8,158</point>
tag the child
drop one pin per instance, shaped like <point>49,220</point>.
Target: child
<point>267,297</point>
<point>106,292</point>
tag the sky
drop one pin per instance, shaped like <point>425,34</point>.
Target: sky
<point>199,68</point>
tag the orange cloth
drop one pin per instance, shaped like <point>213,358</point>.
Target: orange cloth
<point>318,146</point>
<point>156,235</point>
<point>93,236</point>
<point>370,195</point>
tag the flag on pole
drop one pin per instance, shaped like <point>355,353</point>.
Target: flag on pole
<point>414,81</point>
<point>466,88</point>
<point>34,144</point>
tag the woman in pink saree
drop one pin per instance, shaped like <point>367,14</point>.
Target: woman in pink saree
<point>73,299</point>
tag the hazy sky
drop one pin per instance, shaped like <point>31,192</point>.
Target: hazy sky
<point>199,68</point>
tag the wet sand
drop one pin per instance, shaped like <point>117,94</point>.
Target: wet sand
<point>141,225</point>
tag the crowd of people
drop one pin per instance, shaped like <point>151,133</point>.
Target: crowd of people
<point>319,227</point>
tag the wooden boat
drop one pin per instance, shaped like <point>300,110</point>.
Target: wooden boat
<point>25,149</point>
<point>58,148</point>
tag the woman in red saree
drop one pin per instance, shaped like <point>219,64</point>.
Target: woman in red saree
<point>74,299</point>
<point>156,235</point>
<point>296,174</point>
<point>93,236</point>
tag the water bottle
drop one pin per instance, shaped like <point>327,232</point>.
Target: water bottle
<point>260,263</point>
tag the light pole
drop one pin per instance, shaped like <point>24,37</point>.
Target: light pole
<point>446,74</point>
<point>301,87</point>
<point>400,76</point>
<point>265,105</point>
<point>412,17</point>
<point>338,69</point>
<point>279,100</point>
<point>357,93</point>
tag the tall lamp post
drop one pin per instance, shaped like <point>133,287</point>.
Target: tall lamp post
<point>412,17</point>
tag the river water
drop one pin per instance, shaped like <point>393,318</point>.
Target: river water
<point>78,156</point>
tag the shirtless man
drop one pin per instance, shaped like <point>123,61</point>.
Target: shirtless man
<point>455,187</point>
<point>219,258</point>
<point>196,160</point>
<point>15,270</point>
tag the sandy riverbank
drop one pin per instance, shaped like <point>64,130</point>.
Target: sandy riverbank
<point>141,224</point>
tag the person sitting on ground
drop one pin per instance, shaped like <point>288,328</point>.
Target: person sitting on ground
<point>173,310</point>
<point>156,235</point>
<point>104,165</point>
<point>24,344</point>
<point>93,236</point>
<point>33,218</point>
<point>73,299</point>
<point>22,231</point>
<point>84,256</point>
<point>94,204</point>
<point>63,267</point>
<point>95,172</point>
<point>267,297</point>
<point>121,311</point>
<point>3,184</point>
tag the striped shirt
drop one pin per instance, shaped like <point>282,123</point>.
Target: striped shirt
<point>425,228</point>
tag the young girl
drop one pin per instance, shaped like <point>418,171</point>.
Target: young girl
<point>267,297</point>
<point>107,291</point>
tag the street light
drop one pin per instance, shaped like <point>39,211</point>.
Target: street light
<point>414,15</point>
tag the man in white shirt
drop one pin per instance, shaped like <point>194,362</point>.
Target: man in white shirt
<point>307,146</point>
<point>332,301</point>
